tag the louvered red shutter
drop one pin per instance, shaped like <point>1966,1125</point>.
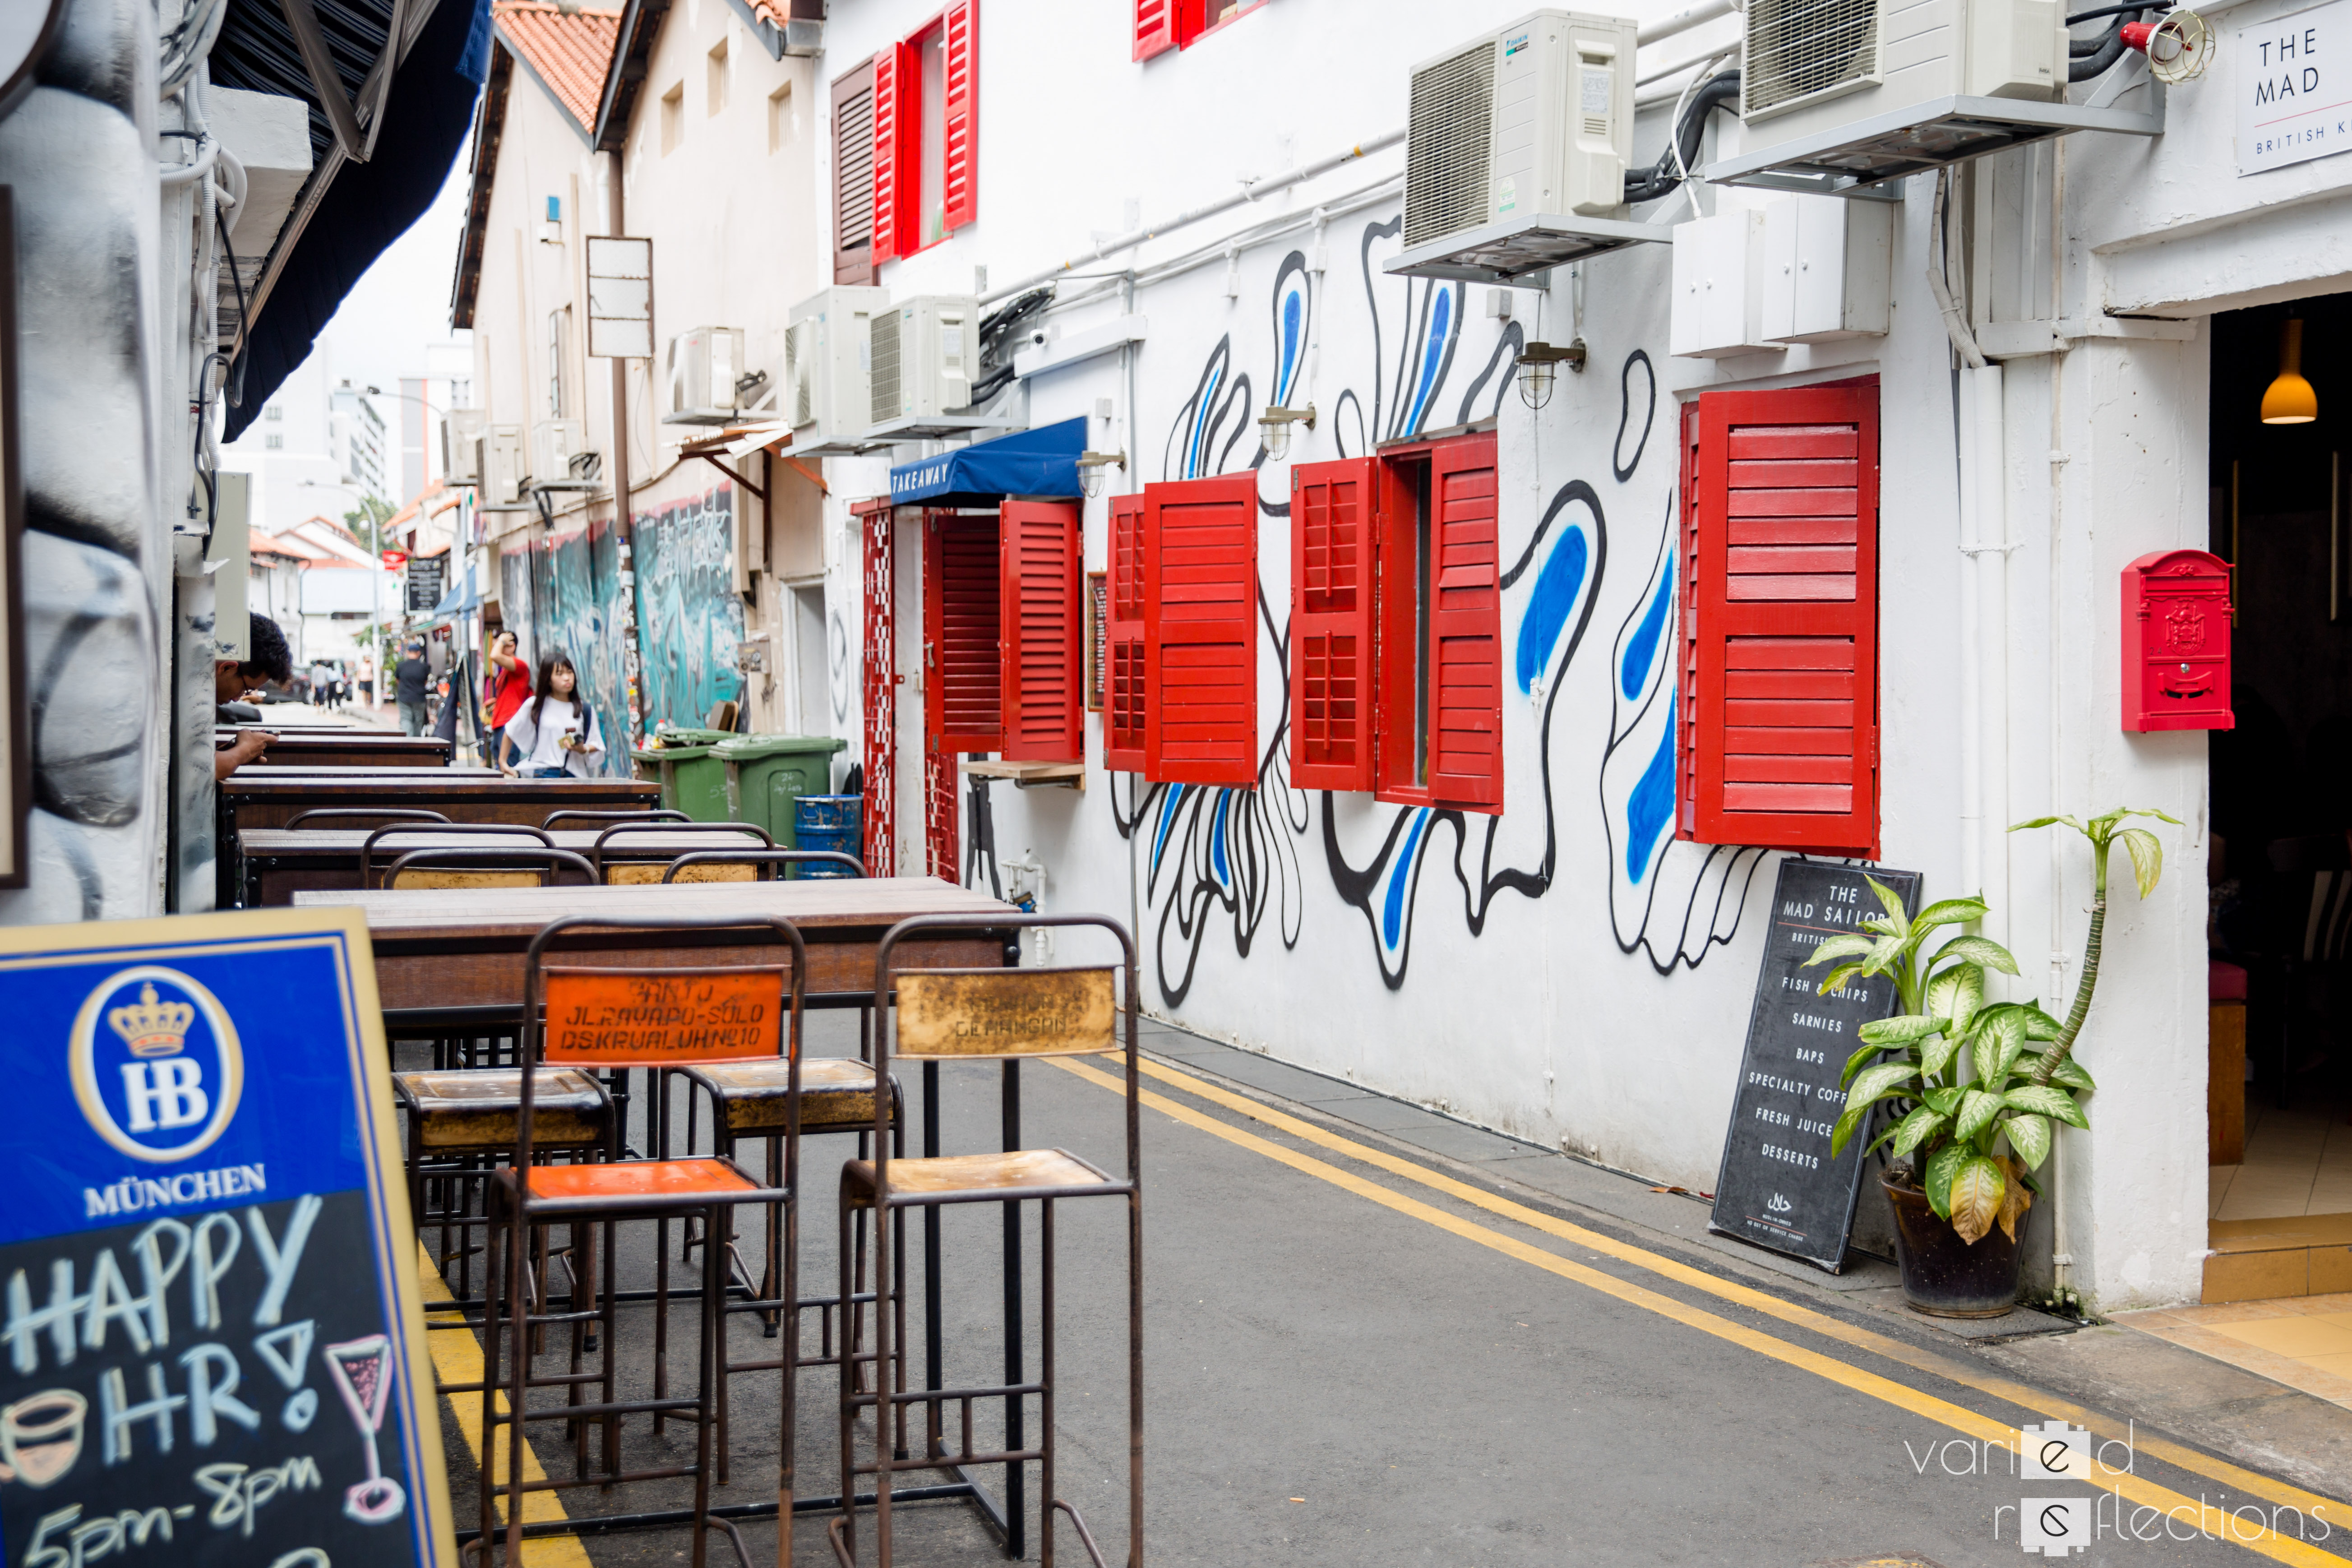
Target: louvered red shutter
<point>963,664</point>
<point>1200,540</point>
<point>1466,628</point>
<point>852,176</point>
<point>961,116</point>
<point>890,64</point>
<point>1332,525</point>
<point>1784,540</point>
<point>1155,28</point>
<point>1126,692</point>
<point>1044,704</point>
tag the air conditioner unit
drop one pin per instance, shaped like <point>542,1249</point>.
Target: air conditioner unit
<point>704,365</point>
<point>1533,119</point>
<point>1809,65</point>
<point>462,458</point>
<point>504,466</point>
<point>553,443</point>
<point>924,352</point>
<point>827,393</point>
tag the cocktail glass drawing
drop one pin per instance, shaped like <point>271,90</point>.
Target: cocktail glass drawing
<point>362,1373</point>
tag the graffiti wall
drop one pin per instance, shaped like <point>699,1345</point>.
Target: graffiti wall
<point>563,591</point>
<point>690,616</point>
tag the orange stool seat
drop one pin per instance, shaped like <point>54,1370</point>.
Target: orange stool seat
<point>641,1179</point>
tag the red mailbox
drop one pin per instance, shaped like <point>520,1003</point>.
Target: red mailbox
<point>2176,653</point>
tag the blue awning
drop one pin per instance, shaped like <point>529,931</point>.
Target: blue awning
<point>1043,462</point>
<point>461,600</point>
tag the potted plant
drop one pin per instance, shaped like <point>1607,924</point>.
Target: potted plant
<point>1976,1087</point>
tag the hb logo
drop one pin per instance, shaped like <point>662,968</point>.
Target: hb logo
<point>156,1064</point>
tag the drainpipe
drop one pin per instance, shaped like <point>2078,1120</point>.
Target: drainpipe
<point>1991,569</point>
<point>2061,1256</point>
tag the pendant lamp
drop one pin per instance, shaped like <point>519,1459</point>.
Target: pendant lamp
<point>2290,400</point>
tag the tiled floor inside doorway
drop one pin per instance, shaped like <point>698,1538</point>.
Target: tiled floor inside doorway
<point>2280,1224</point>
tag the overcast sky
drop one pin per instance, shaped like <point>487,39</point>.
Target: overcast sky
<point>403,301</point>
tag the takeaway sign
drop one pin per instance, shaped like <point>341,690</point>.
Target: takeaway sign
<point>211,1342</point>
<point>2294,87</point>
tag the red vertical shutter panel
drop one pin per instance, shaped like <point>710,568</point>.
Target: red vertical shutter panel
<point>852,176</point>
<point>1786,741</point>
<point>1044,704</point>
<point>1686,667</point>
<point>1333,519</point>
<point>888,79</point>
<point>961,116</point>
<point>878,839</point>
<point>964,690</point>
<point>1199,630</point>
<point>1126,694</point>
<point>1155,28</point>
<point>1466,628</point>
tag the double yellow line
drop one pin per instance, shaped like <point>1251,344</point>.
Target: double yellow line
<point>2212,1519</point>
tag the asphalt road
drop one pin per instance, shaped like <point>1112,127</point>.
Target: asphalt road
<point>1356,1356</point>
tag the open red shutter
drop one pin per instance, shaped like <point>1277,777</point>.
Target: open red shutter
<point>1786,742</point>
<point>1125,689</point>
<point>1155,28</point>
<point>1466,628</point>
<point>1199,538</point>
<point>1332,530</point>
<point>961,112</point>
<point>888,65</point>
<point>1044,704</point>
<point>963,664</point>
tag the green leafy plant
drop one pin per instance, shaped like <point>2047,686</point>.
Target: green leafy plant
<point>1976,1086</point>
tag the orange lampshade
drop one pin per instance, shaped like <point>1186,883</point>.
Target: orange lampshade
<point>2289,399</point>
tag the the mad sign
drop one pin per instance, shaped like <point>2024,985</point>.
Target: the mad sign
<point>631,1017</point>
<point>2293,78</point>
<point>212,1348</point>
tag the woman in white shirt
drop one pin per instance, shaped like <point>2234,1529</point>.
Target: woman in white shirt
<point>554,734</point>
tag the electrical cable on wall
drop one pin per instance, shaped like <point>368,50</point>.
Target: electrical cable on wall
<point>1672,170</point>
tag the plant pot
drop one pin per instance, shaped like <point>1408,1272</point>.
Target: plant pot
<point>1943,1276</point>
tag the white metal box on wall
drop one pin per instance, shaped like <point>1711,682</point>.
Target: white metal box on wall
<point>502,460</point>
<point>461,455</point>
<point>827,389</point>
<point>1719,284</point>
<point>1828,270</point>
<point>1536,117</point>
<point>924,352</point>
<point>704,366</point>
<point>1808,67</point>
<point>553,443</point>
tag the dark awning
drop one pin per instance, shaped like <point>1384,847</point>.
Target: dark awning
<point>384,129</point>
<point>1043,462</point>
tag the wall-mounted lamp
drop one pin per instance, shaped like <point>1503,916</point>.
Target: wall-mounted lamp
<point>1539,365</point>
<point>1274,428</point>
<point>2290,400</point>
<point>1090,471</point>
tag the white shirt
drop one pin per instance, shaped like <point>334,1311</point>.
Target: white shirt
<point>541,745</point>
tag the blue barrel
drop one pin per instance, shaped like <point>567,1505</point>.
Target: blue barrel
<point>826,821</point>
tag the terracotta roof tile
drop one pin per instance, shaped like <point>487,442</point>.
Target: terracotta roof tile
<point>569,53</point>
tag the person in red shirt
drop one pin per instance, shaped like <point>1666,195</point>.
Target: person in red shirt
<point>509,688</point>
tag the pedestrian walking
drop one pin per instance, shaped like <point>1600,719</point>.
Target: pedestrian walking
<point>410,677</point>
<point>555,732</point>
<point>367,680</point>
<point>507,689</point>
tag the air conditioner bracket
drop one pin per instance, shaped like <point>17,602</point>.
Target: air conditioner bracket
<point>1521,249</point>
<point>704,416</point>
<point>934,427</point>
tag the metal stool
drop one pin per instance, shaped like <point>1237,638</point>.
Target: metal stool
<point>651,813</point>
<point>1003,1015</point>
<point>374,814</point>
<point>528,1194</point>
<point>514,837</point>
<point>634,873</point>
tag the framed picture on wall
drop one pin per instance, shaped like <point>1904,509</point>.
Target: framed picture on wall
<point>1097,637</point>
<point>15,740</point>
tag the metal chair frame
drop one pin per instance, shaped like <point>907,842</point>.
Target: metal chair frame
<point>777,858</point>
<point>374,814</point>
<point>884,1201</point>
<point>596,852</point>
<point>546,862</point>
<point>464,829</point>
<point>651,813</point>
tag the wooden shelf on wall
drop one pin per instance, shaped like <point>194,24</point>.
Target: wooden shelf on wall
<point>1032,775</point>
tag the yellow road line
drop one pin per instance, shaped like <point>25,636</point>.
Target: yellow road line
<point>2251,1483</point>
<point>458,1358</point>
<point>2215,1521</point>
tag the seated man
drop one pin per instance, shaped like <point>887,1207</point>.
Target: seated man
<point>266,659</point>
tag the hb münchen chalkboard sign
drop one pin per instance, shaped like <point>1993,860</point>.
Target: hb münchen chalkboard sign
<point>211,1349</point>
<point>1780,1186</point>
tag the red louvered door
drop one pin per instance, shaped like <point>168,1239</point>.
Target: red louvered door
<point>961,116</point>
<point>1045,705</point>
<point>1155,28</point>
<point>1126,694</point>
<point>891,71</point>
<point>1466,628</point>
<point>1332,525</point>
<point>879,839</point>
<point>963,666</point>
<point>1784,536</point>
<point>1199,630</point>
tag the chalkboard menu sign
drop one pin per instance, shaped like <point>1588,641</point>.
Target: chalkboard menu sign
<point>1779,1187</point>
<point>428,578</point>
<point>211,1349</point>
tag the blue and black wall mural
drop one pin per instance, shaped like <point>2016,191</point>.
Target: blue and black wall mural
<point>690,616</point>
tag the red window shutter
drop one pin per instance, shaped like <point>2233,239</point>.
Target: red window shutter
<point>1466,628</point>
<point>1125,696</point>
<point>1045,705</point>
<point>878,838</point>
<point>1155,28</point>
<point>1332,522</point>
<point>889,76</point>
<point>852,176</point>
<point>1785,537</point>
<point>1200,540</point>
<point>960,113</point>
<point>1686,676</point>
<point>963,663</point>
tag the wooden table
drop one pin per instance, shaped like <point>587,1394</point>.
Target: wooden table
<point>350,748</point>
<point>457,954</point>
<point>280,861</point>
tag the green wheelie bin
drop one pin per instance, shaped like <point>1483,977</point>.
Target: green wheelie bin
<point>692,780</point>
<point>767,774</point>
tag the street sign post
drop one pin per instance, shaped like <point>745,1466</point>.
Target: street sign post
<point>215,1345</point>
